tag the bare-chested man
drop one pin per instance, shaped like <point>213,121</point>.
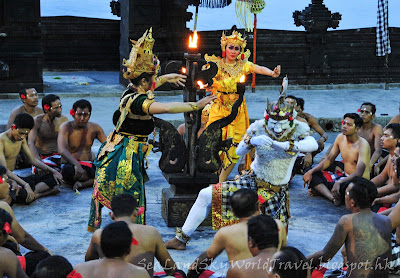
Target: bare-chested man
<point>75,140</point>
<point>245,205</point>
<point>30,101</point>
<point>42,139</point>
<point>355,152</point>
<point>124,208</point>
<point>384,181</point>
<point>13,141</point>
<point>396,118</point>
<point>263,239</point>
<point>292,100</point>
<point>9,264</point>
<point>366,235</point>
<point>371,132</point>
<point>115,244</point>
<point>304,161</point>
<point>313,124</point>
<point>21,237</point>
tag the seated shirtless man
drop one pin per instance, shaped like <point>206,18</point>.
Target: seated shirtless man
<point>355,152</point>
<point>37,252</point>
<point>26,189</point>
<point>75,140</point>
<point>365,234</point>
<point>30,100</point>
<point>9,264</point>
<point>124,208</point>
<point>245,205</point>
<point>42,139</point>
<point>263,243</point>
<point>304,161</point>
<point>115,244</point>
<point>387,181</point>
<point>371,132</point>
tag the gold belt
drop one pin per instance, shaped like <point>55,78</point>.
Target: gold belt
<point>139,138</point>
<point>266,185</point>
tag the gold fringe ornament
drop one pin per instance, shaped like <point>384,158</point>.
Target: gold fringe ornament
<point>244,10</point>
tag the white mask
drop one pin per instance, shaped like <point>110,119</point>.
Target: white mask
<point>279,129</point>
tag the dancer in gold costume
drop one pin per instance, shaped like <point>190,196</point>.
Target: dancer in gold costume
<point>231,66</point>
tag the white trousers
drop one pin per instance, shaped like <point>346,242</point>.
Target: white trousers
<point>199,211</point>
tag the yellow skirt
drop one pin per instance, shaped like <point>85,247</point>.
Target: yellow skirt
<point>221,108</point>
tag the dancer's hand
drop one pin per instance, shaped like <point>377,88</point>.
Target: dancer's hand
<point>175,78</point>
<point>277,71</point>
<point>204,101</point>
<point>261,140</point>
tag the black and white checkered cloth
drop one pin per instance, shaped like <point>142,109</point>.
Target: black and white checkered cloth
<point>382,29</point>
<point>395,260</point>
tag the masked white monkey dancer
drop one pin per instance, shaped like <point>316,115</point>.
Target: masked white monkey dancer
<point>277,140</point>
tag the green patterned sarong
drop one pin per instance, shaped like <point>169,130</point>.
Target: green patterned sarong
<point>120,171</point>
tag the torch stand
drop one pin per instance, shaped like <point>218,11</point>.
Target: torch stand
<point>178,199</point>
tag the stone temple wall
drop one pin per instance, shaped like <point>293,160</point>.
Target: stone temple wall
<point>345,56</point>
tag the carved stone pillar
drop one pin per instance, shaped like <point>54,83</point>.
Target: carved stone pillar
<point>316,19</point>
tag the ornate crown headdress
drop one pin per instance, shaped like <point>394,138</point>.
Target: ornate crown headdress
<point>141,58</point>
<point>280,110</point>
<point>235,39</point>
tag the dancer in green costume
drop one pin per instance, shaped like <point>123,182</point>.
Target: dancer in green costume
<point>121,160</point>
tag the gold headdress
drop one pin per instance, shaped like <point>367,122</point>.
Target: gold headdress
<point>141,59</point>
<point>280,110</point>
<point>235,39</point>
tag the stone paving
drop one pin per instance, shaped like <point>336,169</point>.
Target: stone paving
<point>59,222</point>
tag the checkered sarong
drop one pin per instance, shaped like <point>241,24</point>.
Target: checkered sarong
<point>276,203</point>
<point>382,29</point>
<point>395,259</point>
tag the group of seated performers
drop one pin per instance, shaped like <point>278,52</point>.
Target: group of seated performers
<point>251,213</point>
<point>58,150</point>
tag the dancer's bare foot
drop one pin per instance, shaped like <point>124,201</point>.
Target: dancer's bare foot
<point>175,244</point>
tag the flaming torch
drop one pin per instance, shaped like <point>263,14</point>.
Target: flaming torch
<point>202,91</point>
<point>193,40</point>
<point>241,86</point>
<point>183,70</point>
<point>201,85</point>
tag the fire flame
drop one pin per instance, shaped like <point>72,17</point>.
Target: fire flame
<point>183,70</point>
<point>201,85</point>
<point>242,79</point>
<point>193,40</point>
